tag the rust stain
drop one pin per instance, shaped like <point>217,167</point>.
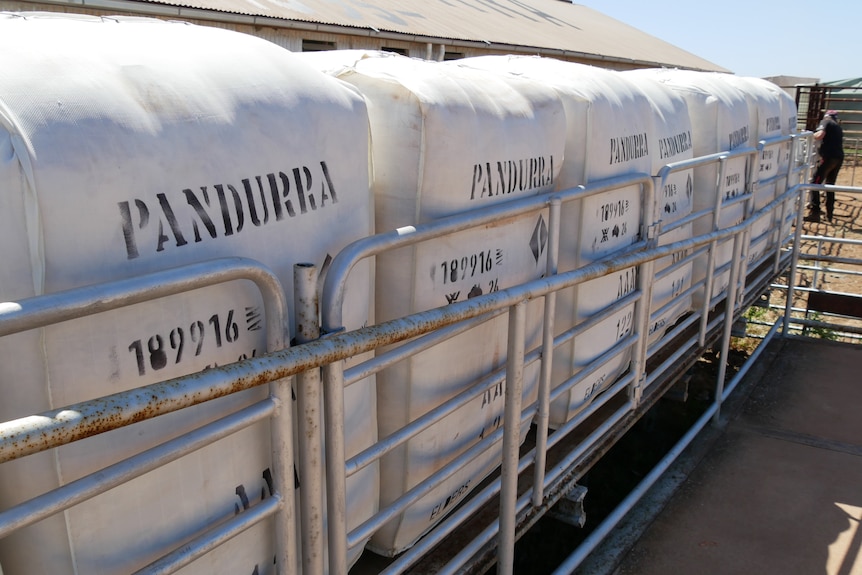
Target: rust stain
<point>125,408</point>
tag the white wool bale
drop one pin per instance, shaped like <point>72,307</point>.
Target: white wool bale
<point>609,132</point>
<point>673,200</point>
<point>766,116</point>
<point>448,139</point>
<point>785,162</point>
<point>720,122</point>
<point>135,145</point>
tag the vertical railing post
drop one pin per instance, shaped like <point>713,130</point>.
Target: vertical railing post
<point>752,184</point>
<point>646,277</point>
<point>281,432</point>
<point>544,393</point>
<point>511,437</point>
<point>642,324</point>
<point>801,200</point>
<point>282,463</point>
<point>308,406</point>
<point>794,262</point>
<point>729,309</point>
<point>713,245</point>
<point>336,474</point>
<point>817,265</point>
<point>281,437</point>
<point>779,240</point>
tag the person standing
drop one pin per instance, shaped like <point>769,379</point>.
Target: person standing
<point>831,137</point>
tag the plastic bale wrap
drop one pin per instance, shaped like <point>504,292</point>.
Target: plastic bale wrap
<point>767,117</point>
<point>609,130</point>
<point>446,140</point>
<point>673,201</point>
<point>129,146</point>
<point>720,123</point>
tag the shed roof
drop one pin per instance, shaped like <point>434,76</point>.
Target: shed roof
<point>557,25</point>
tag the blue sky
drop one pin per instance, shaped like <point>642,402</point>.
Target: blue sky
<point>817,39</point>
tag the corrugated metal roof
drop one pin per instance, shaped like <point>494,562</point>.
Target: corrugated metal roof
<point>544,24</point>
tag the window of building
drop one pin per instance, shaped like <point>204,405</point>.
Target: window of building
<point>402,51</point>
<point>317,46</point>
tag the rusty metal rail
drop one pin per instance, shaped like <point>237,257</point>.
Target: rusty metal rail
<point>29,435</point>
<point>51,429</point>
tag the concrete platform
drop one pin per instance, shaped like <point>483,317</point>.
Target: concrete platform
<point>780,489</point>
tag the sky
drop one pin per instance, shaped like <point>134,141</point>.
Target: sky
<point>812,39</point>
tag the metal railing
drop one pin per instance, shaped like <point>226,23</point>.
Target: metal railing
<point>29,435</point>
<point>819,264</point>
<point>642,255</point>
<point>419,331</point>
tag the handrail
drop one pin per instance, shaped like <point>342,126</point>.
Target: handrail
<point>29,435</point>
<point>57,427</point>
<point>83,419</point>
<point>39,311</point>
<point>332,297</point>
<point>364,248</point>
<point>60,426</point>
<point>792,288</point>
<point>332,309</point>
<point>589,272</point>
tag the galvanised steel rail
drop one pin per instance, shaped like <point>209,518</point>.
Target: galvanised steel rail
<point>336,345</point>
<point>791,196</point>
<point>29,435</point>
<point>797,172</point>
<point>333,296</point>
<point>792,288</point>
<point>332,304</point>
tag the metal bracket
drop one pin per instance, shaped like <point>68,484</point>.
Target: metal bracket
<point>679,391</point>
<point>570,508</point>
<point>738,329</point>
<point>763,300</point>
<point>652,233</point>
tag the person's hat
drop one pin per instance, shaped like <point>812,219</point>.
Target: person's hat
<point>833,113</point>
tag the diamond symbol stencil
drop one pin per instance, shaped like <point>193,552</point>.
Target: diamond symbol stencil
<point>539,239</point>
